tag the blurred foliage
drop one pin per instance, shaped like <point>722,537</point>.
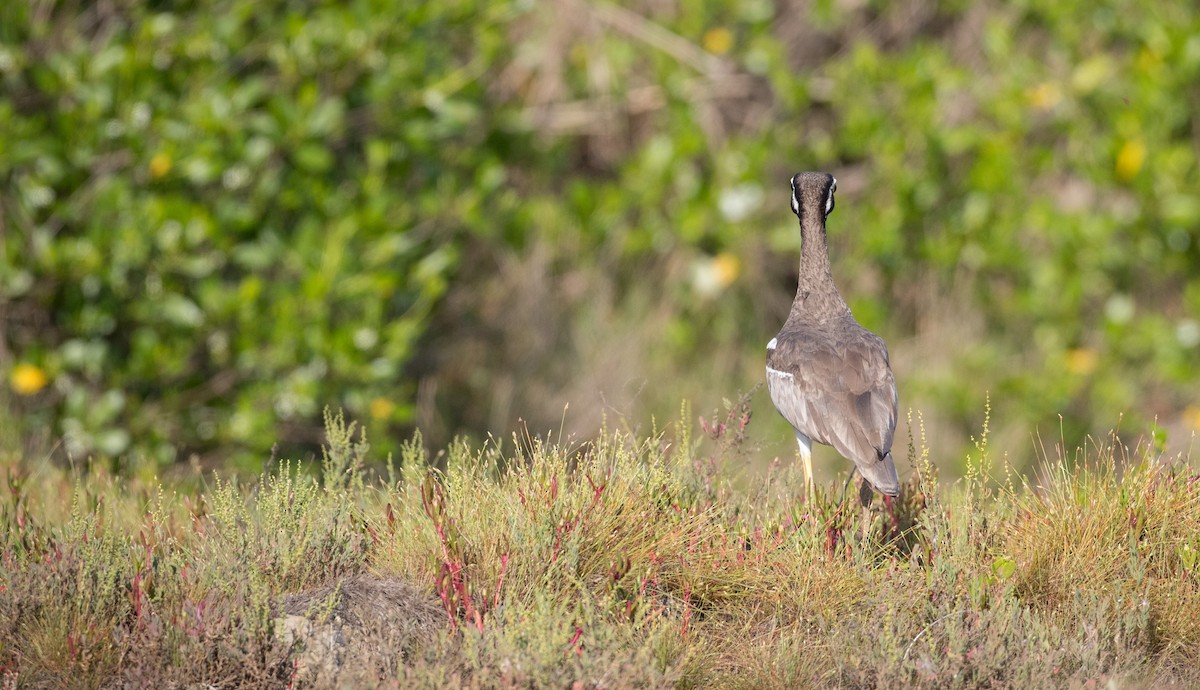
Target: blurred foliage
<point>218,217</point>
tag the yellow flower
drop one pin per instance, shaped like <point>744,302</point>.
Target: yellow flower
<point>1090,74</point>
<point>718,41</point>
<point>1081,360</point>
<point>1130,159</point>
<point>726,268</point>
<point>1191,417</point>
<point>160,165</point>
<point>1148,60</point>
<point>28,379</point>
<point>1044,96</point>
<point>382,408</point>
<point>710,275</point>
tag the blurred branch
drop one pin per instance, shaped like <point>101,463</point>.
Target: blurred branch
<point>217,386</point>
<point>654,35</point>
<point>606,113</point>
<point>593,115</point>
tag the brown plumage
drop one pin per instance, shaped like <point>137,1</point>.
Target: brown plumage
<point>828,376</point>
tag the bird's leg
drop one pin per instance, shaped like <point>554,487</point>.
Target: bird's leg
<point>805,444</point>
<point>890,504</point>
<point>808,477</point>
<point>865,493</point>
<point>865,496</point>
<point>849,480</point>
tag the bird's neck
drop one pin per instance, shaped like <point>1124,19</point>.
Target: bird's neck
<point>816,295</point>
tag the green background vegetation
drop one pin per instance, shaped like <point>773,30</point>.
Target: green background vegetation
<point>219,217</point>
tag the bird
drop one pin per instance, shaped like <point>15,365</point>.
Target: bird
<point>829,377</point>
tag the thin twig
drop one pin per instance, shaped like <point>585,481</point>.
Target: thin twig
<point>926,629</point>
<point>656,36</point>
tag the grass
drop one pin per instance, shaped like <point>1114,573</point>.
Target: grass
<point>625,562</point>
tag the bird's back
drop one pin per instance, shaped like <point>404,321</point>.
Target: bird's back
<point>833,382</point>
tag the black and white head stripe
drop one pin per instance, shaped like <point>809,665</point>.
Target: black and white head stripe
<point>813,191</point>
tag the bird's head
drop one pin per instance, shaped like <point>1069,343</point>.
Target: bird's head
<point>813,192</point>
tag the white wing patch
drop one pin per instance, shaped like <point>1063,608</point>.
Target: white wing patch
<point>779,374</point>
<point>771,345</point>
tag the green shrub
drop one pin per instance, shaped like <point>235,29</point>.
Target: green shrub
<point>223,217</point>
<point>220,217</point>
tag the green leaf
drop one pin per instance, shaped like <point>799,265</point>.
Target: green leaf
<point>181,311</point>
<point>1004,567</point>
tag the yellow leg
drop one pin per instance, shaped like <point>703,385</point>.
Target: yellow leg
<point>806,457</point>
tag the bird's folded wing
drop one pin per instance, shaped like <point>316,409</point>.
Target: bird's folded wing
<point>839,393</point>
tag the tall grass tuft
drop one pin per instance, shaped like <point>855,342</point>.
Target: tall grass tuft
<point>628,561</point>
